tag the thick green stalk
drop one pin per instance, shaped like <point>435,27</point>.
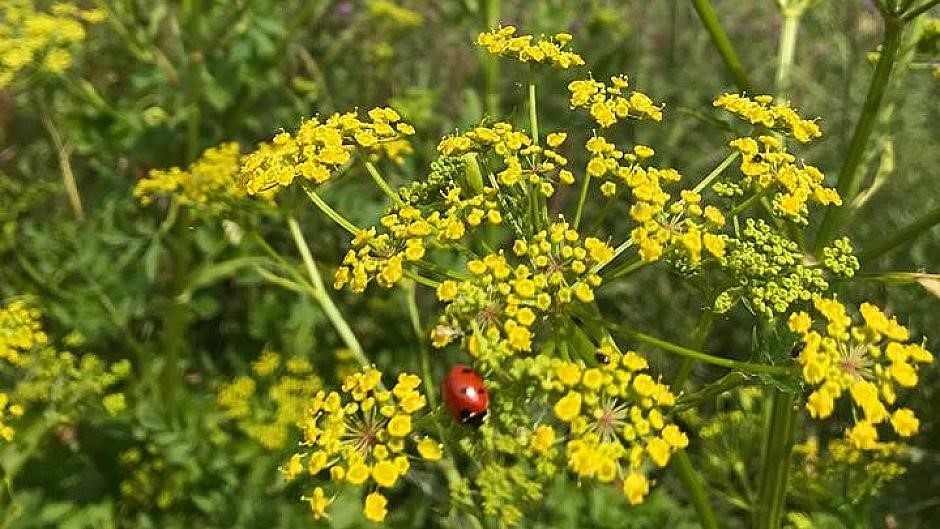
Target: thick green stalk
<point>904,235</point>
<point>693,485</point>
<point>775,459</point>
<point>850,177</point>
<point>177,316</point>
<point>722,43</point>
<point>319,294</point>
<point>792,14</point>
<point>687,473</point>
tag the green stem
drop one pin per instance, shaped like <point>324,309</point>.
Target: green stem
<point>701,334</point>
<point>748,367</point>
<point>850,177</point>
<point>420,279</point>
<point>721,41</point>
<point>383,185</point>
<point>62,153</point>
<point>724,384</point>
<point>693,485</point>
<point>329,211</point>
<point>906,234</point>
<point>423,355</point>
<point>491,62</point>
<point>920,10</point>
<point>533,109</point>
<point>750,201</point>
<point>792,14</point>
<point>775,459</point>
<point>626,269</point>
<point>319,294</point>
<point>582,198</point>
<point>192,10</point>
<point>716,172</point>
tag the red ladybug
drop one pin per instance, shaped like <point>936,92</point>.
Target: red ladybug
<point>465,395</point>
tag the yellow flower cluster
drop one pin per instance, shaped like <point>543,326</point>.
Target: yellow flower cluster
<point>20,331</point>
<point>607,104</point>
<point>211,178</point>
<point>859,472</point>
<point>760,110</point>
<point>7,410</point>
<point>503,41</point>
<point>318,148</point>
<point>868,361</point>
<point>30,37</point>
<point>382,256</point>
<point>684,224</point>
<point>503,302</point>
<point>361,437</point>
<point>524,162</point>
<point>268,417</point>
<point>765,162</point>
<point>614,418</point>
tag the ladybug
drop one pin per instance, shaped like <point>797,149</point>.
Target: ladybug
<point>465,395</point>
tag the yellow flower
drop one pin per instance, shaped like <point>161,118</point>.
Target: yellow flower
<point>820,404</point>
<point>904,422</point>
<point>399,425</point>
<point>430,449</point>
<point>542,439</point>
<point>568,373</point>
<point>319,503</point>
<point>863,435</point>
<point>675,437</point>
<point>385,473</point>
<point>374,508</point>
<point>556,138</point>
<point>635,488</point>
<point>568,407</point>
<point>357,474</point>
<point>658,450</point>
<point>799,322</point>
<point>294,467</point>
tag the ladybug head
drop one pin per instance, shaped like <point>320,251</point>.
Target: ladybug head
<point>470,418</point>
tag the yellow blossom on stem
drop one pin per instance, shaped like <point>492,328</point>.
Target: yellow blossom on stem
<point>867,362</point>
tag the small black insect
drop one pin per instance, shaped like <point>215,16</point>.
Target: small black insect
<point>798,348</point>
<point>602,358</point>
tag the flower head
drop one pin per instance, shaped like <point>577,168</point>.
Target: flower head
<point>868,362</point>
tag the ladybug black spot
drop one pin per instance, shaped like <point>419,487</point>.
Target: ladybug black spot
<point>467,370</point>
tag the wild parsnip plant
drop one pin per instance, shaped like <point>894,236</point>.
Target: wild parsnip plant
<point>517,272</point>
<point>483,345</point>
